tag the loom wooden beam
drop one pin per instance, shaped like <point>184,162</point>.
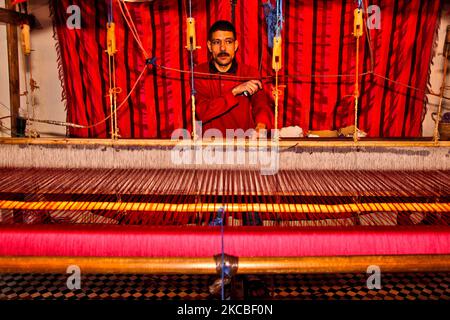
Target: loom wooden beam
<point>207,265</point>
<point>310,143</point>
<point>13,67</point>
<point>15,18</point>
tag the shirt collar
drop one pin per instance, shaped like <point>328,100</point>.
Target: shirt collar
<point>233,68</point>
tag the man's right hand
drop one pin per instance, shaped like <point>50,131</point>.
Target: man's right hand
<point>251,87</point>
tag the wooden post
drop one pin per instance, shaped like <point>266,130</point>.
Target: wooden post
<point>13,67</point>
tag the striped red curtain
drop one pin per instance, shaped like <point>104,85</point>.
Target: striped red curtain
<point>318,71</point>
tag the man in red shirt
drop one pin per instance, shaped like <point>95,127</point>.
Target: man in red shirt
<point>231,98</point>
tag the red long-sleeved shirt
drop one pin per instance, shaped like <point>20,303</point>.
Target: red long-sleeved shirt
<point>218,108</point>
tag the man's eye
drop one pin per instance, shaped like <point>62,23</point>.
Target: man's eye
<point>229,42</point>
<point>216,42</point>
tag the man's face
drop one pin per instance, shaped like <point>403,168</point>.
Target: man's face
<point>223,46</point>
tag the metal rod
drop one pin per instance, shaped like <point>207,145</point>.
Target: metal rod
<point>214,207</point>
<point>207,265</point>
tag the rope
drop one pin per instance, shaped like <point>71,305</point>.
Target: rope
<point>129,20</point>
<point>294,76</point>
<point>222,244</point>
<point>120,105</point>
<point>8,129</point>
<point>357,32</point>
<point>369,42</point>
<point>193,92</point>
<point>355,132</point>
<point>276,65</point>
<point>194,129</point>
<point>69,124</point>
<point>113,89</point>
<point>276,95</point>
<point>32,132</point>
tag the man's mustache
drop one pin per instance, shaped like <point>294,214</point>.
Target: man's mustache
<point>223,54</point>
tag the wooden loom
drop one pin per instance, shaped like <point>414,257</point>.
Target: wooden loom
<point>101,199</point>
<point>119,195</point>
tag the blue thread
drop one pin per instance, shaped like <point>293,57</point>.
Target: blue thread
<point>279,25</point>
<point>110,11</point>
<point>219,221</point>
<point>151,61</point>
<point>270,14</point>
<point>360,3</point>
<point>274,20</point>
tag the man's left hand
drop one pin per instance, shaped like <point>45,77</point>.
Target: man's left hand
<point>260,131</point>
<point>260,126</point>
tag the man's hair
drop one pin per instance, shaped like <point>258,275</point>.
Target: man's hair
<point>222,25</point>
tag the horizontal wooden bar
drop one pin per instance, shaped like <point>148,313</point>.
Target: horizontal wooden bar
<point>207,265</point>
<point>17,18</point>
<point>440,207</point>
<point>316,142</point>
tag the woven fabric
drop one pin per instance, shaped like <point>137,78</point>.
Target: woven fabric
<point>142,241</point>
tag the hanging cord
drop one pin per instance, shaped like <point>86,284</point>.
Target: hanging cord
<point>233,11</point>
<point>226,265</point>
<point>276,93</point>
<point>357,32</point>
<point>368,37</point>
<point>276,61</point>
<point>219,221</point>
<point>193,93</point>
<point>120,105</point>
<point>110,10</point>
<point>30,84</point>
<point>269,78</point>
<point>222,251</point>
<point>111,50</point>
<point>80,126</point>
<point>191,46</point>
<point>149,61</point>
<point>12,132</point>
<point>3,128</point>
<point>112,93</point>
<point>130,23</point>
<point>26,51</point>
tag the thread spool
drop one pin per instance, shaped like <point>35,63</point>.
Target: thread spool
<point>276,54</point>
<point>25,37</point>
<point>358,23</point>
<point>191,44</point>
<point>111,48</point>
